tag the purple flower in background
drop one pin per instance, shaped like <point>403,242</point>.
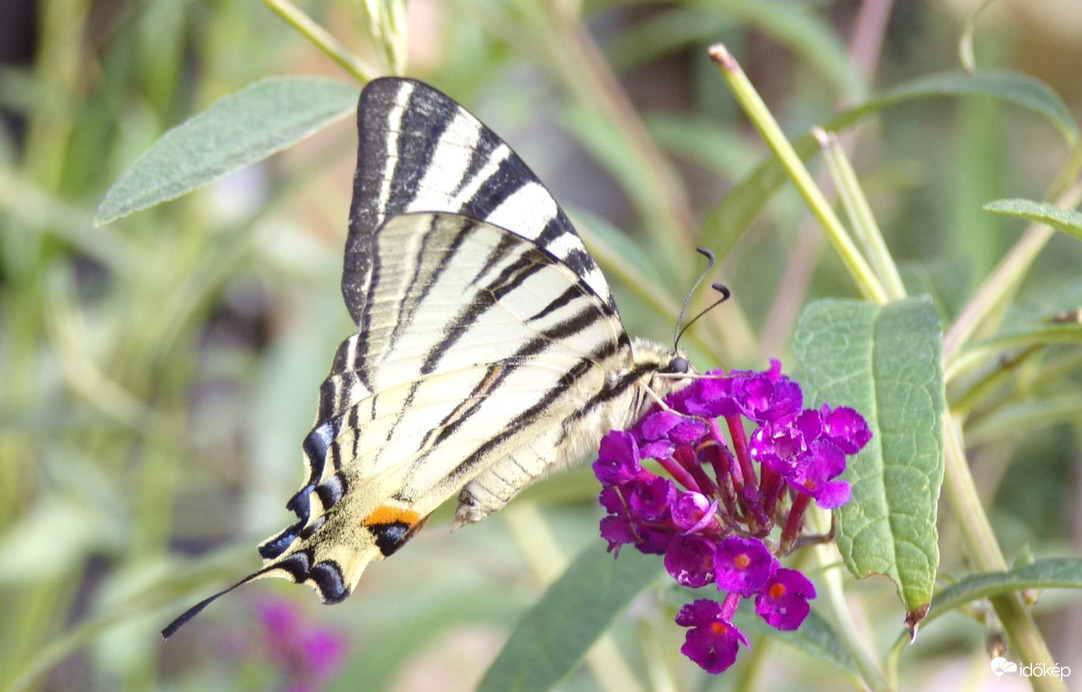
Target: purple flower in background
<point>744,457</point>
<point>306,655</point>
<point>713,640</point>
<point>783,601</point>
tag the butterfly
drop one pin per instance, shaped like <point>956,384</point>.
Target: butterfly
<point>489,351</point>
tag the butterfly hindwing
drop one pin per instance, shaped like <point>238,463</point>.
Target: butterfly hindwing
<point>419,151</point>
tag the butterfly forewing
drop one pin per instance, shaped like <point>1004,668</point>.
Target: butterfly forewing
<point>419,151</point>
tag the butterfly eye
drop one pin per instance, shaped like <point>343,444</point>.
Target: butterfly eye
<point>678,364</point>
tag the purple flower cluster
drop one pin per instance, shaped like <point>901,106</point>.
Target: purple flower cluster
<point>307,655</point>
<point>712,517</point>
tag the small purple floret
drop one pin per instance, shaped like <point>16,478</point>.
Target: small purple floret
<point>846,428</point>
<point>618,459</point>
<point>743,565</point>
<point>783,601</point>
<point>712,641</point>
<point>690,561</point>
<point>826,462</point>
<point>694,512</point>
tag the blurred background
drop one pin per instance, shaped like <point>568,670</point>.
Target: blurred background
<point>158,374</point>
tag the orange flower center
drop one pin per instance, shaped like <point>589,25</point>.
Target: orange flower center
<point>742,561</point>
<point>777,591</point>
<point>718,628</point>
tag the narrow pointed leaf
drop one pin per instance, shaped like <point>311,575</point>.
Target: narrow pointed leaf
<point>236,131</point>
<point>1065,220</point>
<point>886,362</point>
<point>1060,572</point>
<point>579,607</point>
<point>747,199</point>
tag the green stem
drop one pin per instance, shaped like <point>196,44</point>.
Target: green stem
<point>322,39</point>
<point>764,122</point>
<point>860,213</point>
<point>983,549</point>
<point>1051,334</point>
<point>978,392</point>
<point>1008,274</point>
<point>834,599</point>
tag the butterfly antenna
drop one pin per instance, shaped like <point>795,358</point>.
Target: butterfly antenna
<point>711,260</point>
<point>725,294</point>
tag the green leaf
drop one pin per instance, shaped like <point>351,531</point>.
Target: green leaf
<point>1026,416</point>
<point>815,637</point>
<point>1063,572</point>
<point>236,131</point>
<point>886,362</point>
<point>1018,337</point>
<point>748,198</point>
<point>1066,220</point>
<point>579,607</point>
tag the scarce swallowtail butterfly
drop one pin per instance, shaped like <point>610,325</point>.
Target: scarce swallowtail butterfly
<point>488,352</point>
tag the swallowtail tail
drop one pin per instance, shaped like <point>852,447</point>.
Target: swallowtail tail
<point>488,353</point>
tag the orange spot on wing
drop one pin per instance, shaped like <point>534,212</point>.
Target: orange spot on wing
<point>385,514</point>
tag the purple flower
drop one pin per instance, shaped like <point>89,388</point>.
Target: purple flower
<point>712,641</point>
<point>651,500</point>
<point>826,462</point>
<point>846,428</point>
<point>783,601</point>
<point>694,512</point>
<point>690,561</point>
<point>656,426</point>
<point>722,487</point>
<point>767,396</point>
<point>305,654</point>
<point>618,459</point>
<point>281,620</point>
<point>743,565</point>
<point>323,650</point>
<point>617,531</point>
<point>634,521</point>
<point>784,445</point>
<point>658,449</point>
<point>688,431</point>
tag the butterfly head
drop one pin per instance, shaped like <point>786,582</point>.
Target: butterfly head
<point>664,369</point>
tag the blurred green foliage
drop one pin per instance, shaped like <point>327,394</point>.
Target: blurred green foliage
<point>159,373</point>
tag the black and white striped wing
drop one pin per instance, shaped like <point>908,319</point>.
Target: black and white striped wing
<point>488,348</point>
<point>419,151</point>
<point>486,345</point>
